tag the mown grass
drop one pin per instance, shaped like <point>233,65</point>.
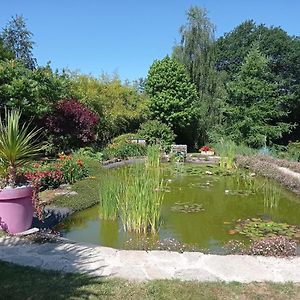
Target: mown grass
<point>88,193</point>
<point>28,283</point>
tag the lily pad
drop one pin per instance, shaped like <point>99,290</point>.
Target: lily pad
<point>187,207</point>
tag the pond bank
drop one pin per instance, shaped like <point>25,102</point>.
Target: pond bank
<point>85,196</point>
<point>70,257</point>
<point>284,172</point>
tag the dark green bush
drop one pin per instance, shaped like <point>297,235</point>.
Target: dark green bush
<point>155,132</point>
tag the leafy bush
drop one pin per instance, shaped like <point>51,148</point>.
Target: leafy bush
<point>46,175</point>
<point>88,154</point>
<point>71,125</point>
<point>52,174</point>
<point>155,132</point>
<point>124,151</point>
<point>72,169</point>
<point>121,147</point>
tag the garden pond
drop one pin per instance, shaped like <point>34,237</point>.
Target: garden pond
<point>203,209</point>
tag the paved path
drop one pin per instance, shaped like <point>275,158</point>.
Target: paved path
<point>140,265</point>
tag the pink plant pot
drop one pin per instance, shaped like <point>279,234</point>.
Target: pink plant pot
<point>16,209</point>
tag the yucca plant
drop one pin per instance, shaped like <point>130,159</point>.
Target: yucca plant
<point>18,143</point>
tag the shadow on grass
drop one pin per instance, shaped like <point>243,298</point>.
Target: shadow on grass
<point>30,283</point>
<point>18,282</point>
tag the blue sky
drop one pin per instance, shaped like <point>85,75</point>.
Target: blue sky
<point>127,36</point>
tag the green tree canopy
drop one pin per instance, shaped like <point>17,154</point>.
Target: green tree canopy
<point>172,95</point>
<point>196,52</point>
<point>17,38</point>
<point>32,91</point>
<point>255,103</point>
<point>283,53</point>
<point>121,107</point>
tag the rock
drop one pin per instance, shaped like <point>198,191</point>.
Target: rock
<point>252,174</point>
<point>27,232</point>
<point>208,173</point>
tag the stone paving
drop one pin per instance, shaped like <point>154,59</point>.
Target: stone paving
<point>74,257</point>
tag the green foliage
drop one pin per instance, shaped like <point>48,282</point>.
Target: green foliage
<point>226,149</point>
<point>196,52</point>
<point>121,108</point>
<point>4,52</point>
<point>32,91</point>
<point>121,147</point>
<point>110,191</point>
<point>17,38</point>
<point>172,95</point>
<point>258,228</point>
<point>72,169</point>
<point>18,143</point>
<point>155,132</point>
<point>141,200</point>
<point>255,107</point>
<point>88,154</point>
<point>153,156</point>
<point>283,52</point>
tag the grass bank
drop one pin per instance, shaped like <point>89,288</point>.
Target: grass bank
<point>17,283</point>
<point>87,194</point>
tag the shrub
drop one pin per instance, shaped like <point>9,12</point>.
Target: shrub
<point>71,125</point>
<point>72,169</point>
<point>52,174</point>
<point>121,147</point>
<point>124,151</point>
<point>155,132</point>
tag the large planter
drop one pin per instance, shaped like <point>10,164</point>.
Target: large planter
<point>16,209</point>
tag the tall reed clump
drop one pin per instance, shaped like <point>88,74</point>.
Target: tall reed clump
<point>227,152</point>
<point>271,195</point>
<point>140,204</point>
<point>110,192</point>
<point>153,156</point>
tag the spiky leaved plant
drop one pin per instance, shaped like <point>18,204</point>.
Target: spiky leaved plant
<point>18,143</point>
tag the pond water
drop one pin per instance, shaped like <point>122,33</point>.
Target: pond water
<point>224,198</point>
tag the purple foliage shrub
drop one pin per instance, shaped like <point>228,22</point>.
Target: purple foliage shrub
<point>72,124</point>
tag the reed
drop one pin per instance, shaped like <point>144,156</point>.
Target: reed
<point>227,152</point>
<point>271,195</point>
<point>140,204</point>
<point>153,156</point>
<point>110,191</point>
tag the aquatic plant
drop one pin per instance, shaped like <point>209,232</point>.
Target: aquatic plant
<point>227,153</point>
<point>140,202</point>
<point>110,191</point>
<point>187,207</point>
<point>258,228</point>
<point>153,156</point>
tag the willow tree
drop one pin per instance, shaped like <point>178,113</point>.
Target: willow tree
<point>196,52</point>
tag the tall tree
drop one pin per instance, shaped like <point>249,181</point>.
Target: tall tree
<point>196,52</point>
<point>196,48</point>
<point>4,52</point>
<point>255,104</point>
<point>172,97</point>
<point>283,52</point>
<point>17,38</point>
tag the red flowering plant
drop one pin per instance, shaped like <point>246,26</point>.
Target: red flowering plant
<point>45,175</point>
<point>72,169</point>
<point>206,149</point>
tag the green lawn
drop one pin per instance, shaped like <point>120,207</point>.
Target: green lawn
<point>18,282</point>
<point>88,194</point>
